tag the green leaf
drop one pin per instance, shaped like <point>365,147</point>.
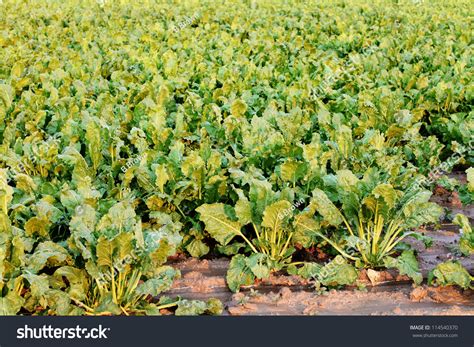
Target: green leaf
<point>162,281</point>
<point>307,271</point>
<point>259,265</point>
<point>406,264</point>
<point>337,272</point>
<point>10,304</point>
<point>48,254</point>
<point>239,274</point>
<point>198,307</point>
<point>451,273</point>
<point>470,179</point>
<point>326,208</point>
<point>197,248</point>
<point>238,108</point>
<point>218,225</point>
<point>387,193</point>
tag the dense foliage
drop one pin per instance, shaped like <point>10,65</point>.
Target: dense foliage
<point>130,131</point>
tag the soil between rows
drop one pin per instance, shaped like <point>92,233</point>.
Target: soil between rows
<point>385,293</point>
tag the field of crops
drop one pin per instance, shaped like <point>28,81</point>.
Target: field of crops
<point>326,142</point>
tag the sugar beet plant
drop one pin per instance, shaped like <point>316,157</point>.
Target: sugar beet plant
<point>263,217</point>
<point>108,264</point>
<point>373,218</point>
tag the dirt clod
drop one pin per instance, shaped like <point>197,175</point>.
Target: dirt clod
<point>418,294</point>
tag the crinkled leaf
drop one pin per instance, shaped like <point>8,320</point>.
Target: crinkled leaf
<point>243,210</point>
<point>387,193</point>
<point>238,108</point>
<point>466,242</point>
<point>77,281</point>
<point>239,274</point>
<point>346,179</point>
<point>337,272</point>
<point>231,249</point>
<point>10,304</point>
<point>406,264</point>
<point>162,281</point>
<point>307,271</point>
<point>259,265</point>
<point>198,307</point>
<point>274,214</point>
<point>450,273</point>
